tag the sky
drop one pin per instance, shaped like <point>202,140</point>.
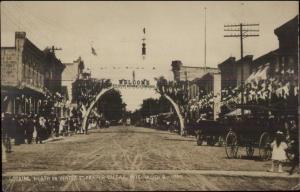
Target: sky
<point>174,31</point>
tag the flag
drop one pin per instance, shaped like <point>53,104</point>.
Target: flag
<point>133,75</point>
<point>143,48</point>
<point>94,51</point>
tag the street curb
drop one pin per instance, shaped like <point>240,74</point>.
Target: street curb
<point>54,139</point>
<point>167,172</point>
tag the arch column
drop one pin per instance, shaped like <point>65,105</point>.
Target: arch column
<point>177,110</point>
<point>88,111</point>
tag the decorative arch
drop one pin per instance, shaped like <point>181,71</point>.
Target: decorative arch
<point>105,90</point>
<point>177,110</point>
<point>88,111</point>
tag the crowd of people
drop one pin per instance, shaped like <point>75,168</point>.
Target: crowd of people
<point>27,128</point>
<point>278,90</point>
<point>33,128</point>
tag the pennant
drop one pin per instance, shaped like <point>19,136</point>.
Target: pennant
<point>94,51</point>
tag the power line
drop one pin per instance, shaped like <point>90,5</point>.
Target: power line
<point>243,34</point>
<point>26,24</point>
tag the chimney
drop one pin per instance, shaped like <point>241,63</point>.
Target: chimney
<point>19,39</point>
<point>20,35</point>
<point>176,66</point>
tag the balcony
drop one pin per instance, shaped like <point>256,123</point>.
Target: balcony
<point>32,79</point>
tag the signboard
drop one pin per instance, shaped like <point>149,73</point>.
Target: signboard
<point>123,83</point>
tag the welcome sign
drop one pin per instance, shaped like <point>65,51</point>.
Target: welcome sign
<point>123,83</point>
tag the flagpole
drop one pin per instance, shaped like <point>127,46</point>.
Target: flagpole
<point>144,44</point>
<point>204,39</point>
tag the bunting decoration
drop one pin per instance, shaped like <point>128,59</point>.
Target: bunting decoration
<point>260,89</point>
<point>5,98</point>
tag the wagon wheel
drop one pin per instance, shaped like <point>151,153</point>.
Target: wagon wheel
<point>264,146</point>
<point>249,150</point>
<point>231,145</point>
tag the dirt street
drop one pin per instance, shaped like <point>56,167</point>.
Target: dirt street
<point>174,162</point>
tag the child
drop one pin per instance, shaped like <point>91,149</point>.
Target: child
<point>278,152</point>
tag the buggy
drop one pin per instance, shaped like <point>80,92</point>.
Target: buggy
<point>255,130</point>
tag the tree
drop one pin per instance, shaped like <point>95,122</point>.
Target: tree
<point>149,107</point>
<point>161,83</point>
<point>112,105</point>
<point>152,106</point>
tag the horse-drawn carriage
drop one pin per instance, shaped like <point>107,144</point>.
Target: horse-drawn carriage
<point>255,129</point>
<point>209,131</point>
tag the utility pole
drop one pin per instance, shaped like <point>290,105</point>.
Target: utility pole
<point>186,82</point>
<point>243,33</point>
<point>53,49</point>
<point>204,39</point>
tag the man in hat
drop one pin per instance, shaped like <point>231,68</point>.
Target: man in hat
<point>56,126</point>
<point>40,130</point>
<point>20,130</point>
<point>7,131</point>
<point>29,128</point>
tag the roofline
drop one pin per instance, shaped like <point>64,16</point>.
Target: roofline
<point>199,67</point>
<point>287,22</point>
<point>226,61</point>
<point>8,47</point>
<point>274,51</point>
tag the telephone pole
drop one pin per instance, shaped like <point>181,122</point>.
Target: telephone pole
<point>53,49</point>
<point>204,39</point>
<point>244,31</point>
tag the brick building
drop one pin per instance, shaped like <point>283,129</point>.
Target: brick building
<point>70,74</point>
<point>23,78</point>
<point>53,74</point>
<point>228,73</point>
<point>189,73</point>
<point>282,62</point>
<point>231,72</point>
<point>246,64</point>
